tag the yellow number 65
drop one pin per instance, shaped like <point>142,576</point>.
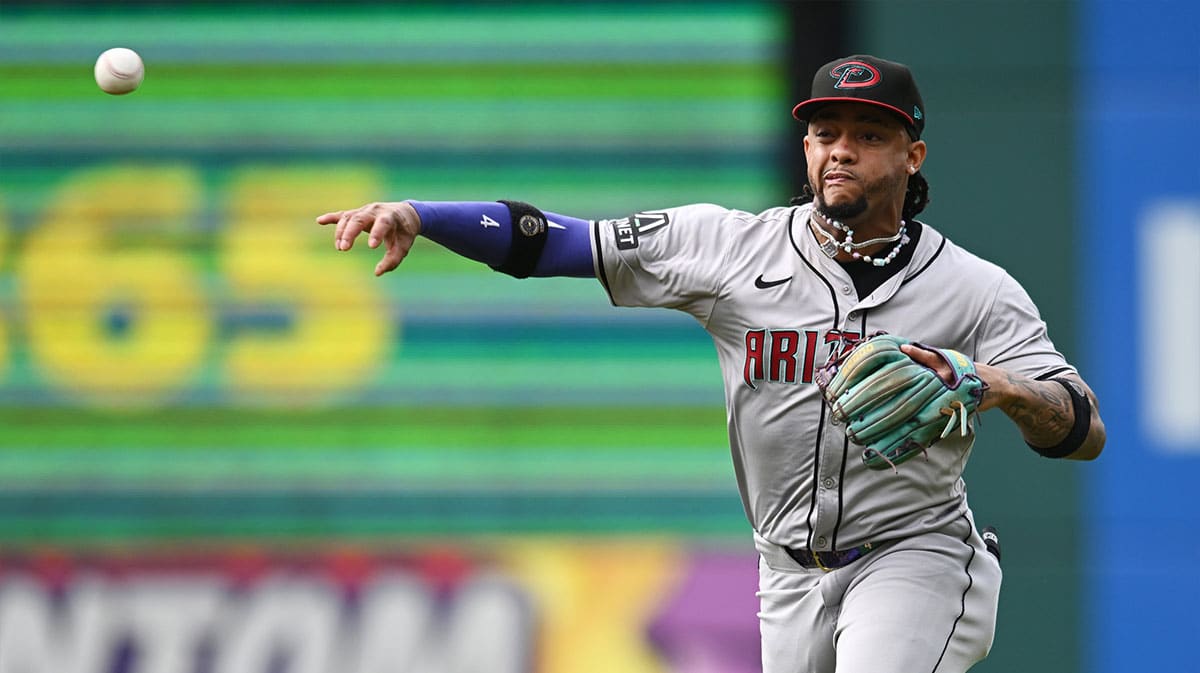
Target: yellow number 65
<point>113,312</point>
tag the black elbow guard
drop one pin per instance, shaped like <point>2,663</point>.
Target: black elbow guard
<point>528,240</point>
<point>1082,408</point>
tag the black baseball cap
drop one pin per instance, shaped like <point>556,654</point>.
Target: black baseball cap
<point>866,79</point>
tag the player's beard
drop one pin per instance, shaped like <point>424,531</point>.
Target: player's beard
<point>842,211</point>
<point>879,190</point>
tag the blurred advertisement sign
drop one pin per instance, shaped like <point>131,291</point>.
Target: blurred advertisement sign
<point>514,608</point>
<point>255,614</point>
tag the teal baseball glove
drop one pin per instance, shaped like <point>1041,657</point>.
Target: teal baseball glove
<point>895,406</point>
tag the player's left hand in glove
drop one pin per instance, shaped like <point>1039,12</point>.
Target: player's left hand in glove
<point>895,406</point>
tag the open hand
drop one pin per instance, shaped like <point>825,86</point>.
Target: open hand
<point>394,224</point>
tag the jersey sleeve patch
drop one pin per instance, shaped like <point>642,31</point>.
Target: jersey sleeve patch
<point>627,232</point>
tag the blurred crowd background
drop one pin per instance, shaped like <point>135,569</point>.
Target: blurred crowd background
<point>226,448</point>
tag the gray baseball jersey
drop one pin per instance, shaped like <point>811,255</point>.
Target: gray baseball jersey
<point>776,308</point>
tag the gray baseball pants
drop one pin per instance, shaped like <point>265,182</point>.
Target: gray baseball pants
<point>925,604</point>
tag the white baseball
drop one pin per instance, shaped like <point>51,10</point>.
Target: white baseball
<point>119,70</point>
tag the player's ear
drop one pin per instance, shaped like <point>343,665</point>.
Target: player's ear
<point>916,156</point>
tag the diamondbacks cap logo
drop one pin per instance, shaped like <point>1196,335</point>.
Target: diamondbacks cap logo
<point>855,75</point>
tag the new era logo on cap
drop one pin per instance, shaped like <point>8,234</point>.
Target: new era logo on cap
<point>867,79</point>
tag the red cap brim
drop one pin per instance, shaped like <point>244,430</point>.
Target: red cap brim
<point>817,102</point>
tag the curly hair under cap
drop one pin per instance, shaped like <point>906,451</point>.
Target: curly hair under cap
<point>916,197</point>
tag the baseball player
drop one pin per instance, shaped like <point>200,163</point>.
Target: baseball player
<point>870,561</point>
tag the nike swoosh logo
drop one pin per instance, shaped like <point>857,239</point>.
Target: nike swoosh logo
<point>764,284</point>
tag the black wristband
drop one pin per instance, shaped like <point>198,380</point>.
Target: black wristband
<point>1082,408</point>
<point>528,240</point>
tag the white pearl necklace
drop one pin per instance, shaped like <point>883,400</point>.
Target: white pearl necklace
<point>831,246</point>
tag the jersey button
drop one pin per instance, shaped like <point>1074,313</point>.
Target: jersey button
<point>854,315</point>
<point>845,289</point>
<point>828,483</point>
<point>821,542</point>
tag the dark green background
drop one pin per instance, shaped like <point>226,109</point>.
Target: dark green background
<point>998,82</point>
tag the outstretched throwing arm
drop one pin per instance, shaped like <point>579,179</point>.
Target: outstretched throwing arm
<point>512,237</point>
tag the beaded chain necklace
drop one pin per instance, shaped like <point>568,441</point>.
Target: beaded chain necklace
<point>831,245</point>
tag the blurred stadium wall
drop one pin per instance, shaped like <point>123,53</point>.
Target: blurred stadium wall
<point>226,448</point>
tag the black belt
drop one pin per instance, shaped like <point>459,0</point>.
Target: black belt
<point>829,560</point>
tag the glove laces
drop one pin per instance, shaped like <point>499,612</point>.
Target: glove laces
<point>956,411</point>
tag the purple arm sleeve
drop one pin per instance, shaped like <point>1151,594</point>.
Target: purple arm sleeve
<point>482,231</point>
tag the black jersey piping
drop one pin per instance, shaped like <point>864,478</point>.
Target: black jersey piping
<point>603,275</point>
<point>935,256</point>
<point>963,606</point>
<point>812,506</point>
<point>832,294</point>
<point>1052,373</point>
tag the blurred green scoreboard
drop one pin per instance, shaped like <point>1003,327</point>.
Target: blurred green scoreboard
<point>172,321</point>
<point>160,247</point>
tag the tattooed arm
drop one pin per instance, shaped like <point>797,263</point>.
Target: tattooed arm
<point>1042,410</point>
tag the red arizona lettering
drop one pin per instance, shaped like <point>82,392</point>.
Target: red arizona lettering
<point>784,343</point>
<point>841,341</point>
<point>810,354</point>
<point>753,371</point>
<point>782,347</point>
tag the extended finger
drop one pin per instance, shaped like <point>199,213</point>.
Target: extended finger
<point>929,359</point>
<point>341,226</point>
<point>385,226</point>
<point>355,225</point>
<point>344,221</point>
<point>330,218</point>
<point>397,250</point>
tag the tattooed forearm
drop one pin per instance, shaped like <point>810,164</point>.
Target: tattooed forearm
<point>1042,410</point>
